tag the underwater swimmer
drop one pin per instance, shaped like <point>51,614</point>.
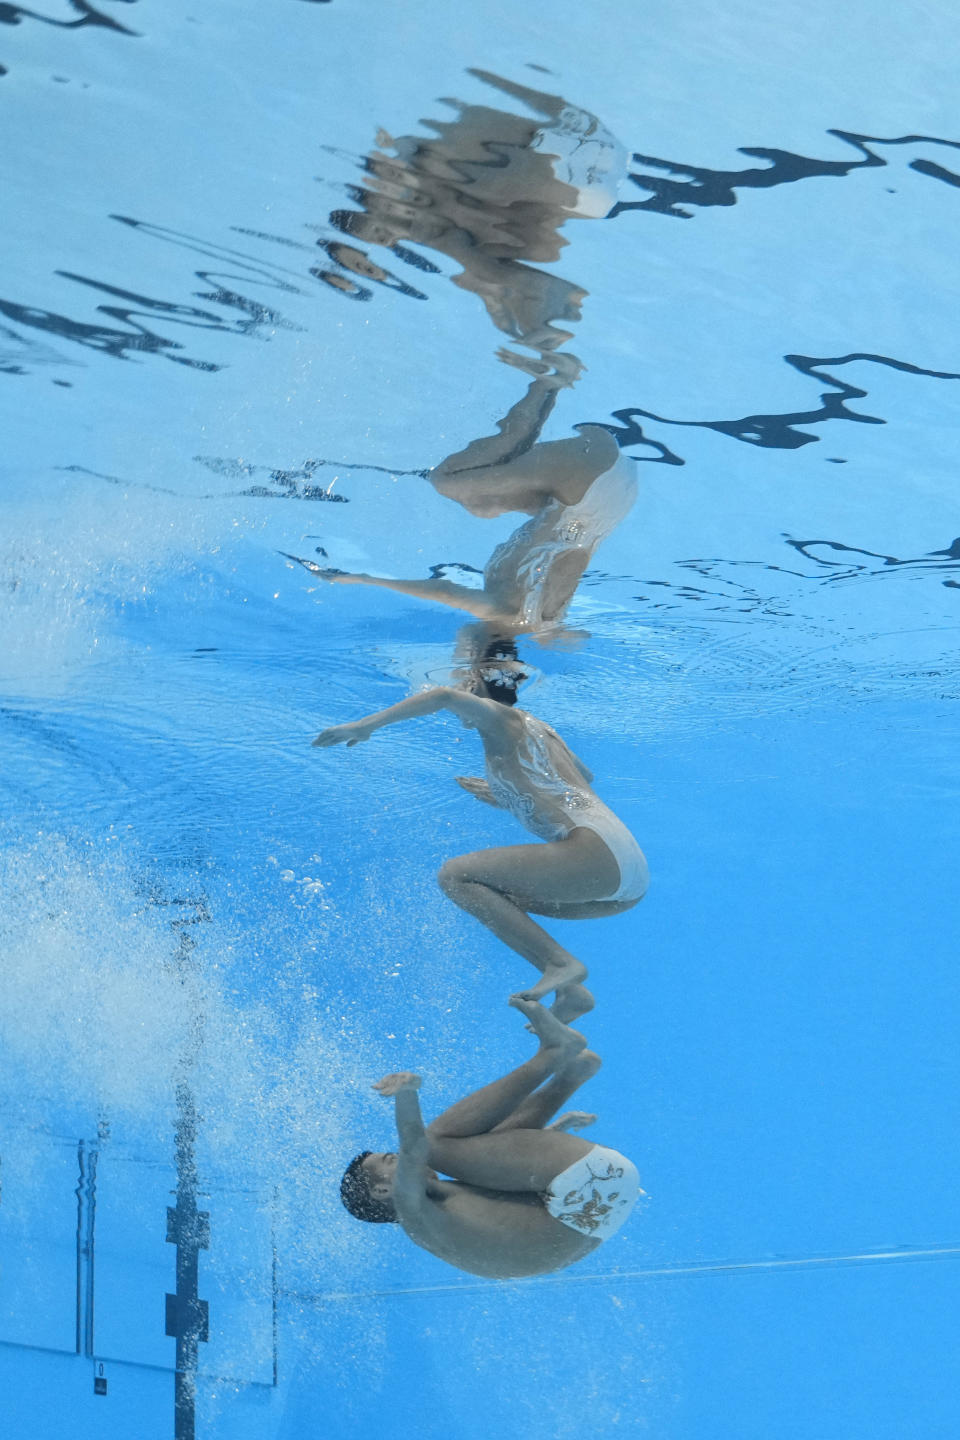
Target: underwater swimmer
<point>590,866</point>
<point>525,1198</point>
<point>576,492</point>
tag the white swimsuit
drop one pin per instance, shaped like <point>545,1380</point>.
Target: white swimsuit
<point>582,809</point>
<point>595,1194</point>
<point>523,562</point>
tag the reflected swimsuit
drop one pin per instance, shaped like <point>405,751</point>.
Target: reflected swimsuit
<point>522,565</point>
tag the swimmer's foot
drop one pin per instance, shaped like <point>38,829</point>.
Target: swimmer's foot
<point>572,1002</point>
<point>568,971</point>
<point>572,1120</point>
<point>551,1033</point>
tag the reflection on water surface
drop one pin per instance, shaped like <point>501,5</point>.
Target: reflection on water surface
<point>214,941</point>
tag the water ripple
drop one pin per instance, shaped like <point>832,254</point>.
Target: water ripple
<point>778,432</point>
<point>86,14</point>
<point>705,188</point>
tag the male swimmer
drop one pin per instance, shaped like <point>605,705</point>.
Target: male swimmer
<point>524,1197</point>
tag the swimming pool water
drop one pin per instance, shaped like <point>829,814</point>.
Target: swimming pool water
<point>215,938</point>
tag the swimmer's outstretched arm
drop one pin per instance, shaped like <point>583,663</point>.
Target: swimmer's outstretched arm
<point>493,721</point>
<point>446,592</point>
<point>403,1085</point>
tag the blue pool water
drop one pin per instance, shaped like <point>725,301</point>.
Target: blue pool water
<point>215,938</point>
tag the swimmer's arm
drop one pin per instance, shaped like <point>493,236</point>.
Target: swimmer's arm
<point>426,703</point>
<point>497,724</point>
<point>445,592</point>
<point>416,1211</point>
<point>488,717</point>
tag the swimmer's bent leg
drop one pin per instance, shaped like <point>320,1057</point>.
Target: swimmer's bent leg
<point>514,1160</point>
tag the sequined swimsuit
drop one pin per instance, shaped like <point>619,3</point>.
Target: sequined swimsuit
<point>521,566</point>
<point>577,805</point>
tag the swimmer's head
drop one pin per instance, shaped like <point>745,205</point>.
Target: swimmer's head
<point>498,684</point>
<point>496,673</point>
<point>367,1187</point>
<point>374,230</point>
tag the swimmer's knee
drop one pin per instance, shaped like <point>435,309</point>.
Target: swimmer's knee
<point>449,876</point>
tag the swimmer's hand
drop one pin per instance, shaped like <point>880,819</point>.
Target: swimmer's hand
<point>400,1080</point>
<point>351,734</point>
<point>327,572</point>
<point>539,369</point>
<point>555,370</point>
<point>478,788</point>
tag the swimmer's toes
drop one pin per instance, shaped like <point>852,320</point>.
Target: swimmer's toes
<point>546,1026</point>
<point>522,1002</point>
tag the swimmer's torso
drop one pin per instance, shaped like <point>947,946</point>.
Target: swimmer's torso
<point>540,781</point>
<point>533,574</point>
<point>498,1234</point>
